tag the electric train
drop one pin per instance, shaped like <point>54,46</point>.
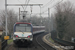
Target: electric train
<point>23,32</point>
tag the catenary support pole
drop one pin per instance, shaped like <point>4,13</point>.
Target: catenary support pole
<point>6,14</point>
<point>49,19</point>
<point>19,13</point>
<point>40,15</point>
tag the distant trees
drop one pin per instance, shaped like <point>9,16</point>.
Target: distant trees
<point>64,19</point>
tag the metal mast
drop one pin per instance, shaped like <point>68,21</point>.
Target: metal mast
<point>6,14</point>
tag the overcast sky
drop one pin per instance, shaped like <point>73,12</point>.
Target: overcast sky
<point>35,9</point>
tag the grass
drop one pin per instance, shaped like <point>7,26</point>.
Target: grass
<point>51,39</point>
<point>9,41</point>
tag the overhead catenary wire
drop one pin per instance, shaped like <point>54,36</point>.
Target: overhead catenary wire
<point>25,3</point>
<point>47,3</point>
<point>52,6</point>
<point>19,1</point>
<point>26,6</point>
<point>33,1</point>
<point>22,6</point>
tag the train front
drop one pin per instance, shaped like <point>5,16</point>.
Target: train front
<point>22,33</point>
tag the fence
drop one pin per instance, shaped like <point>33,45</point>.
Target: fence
<point>4,42</point>
<point>61,42</point>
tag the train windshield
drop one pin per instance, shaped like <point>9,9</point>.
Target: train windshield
<point>23,28</point>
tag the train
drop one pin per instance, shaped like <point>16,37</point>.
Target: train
<point>23,32</point>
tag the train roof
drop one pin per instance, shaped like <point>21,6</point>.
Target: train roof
<point>22,23</point>
<point>38,26</point>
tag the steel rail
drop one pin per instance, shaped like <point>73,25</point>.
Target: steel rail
<point>39,43</point>
<point>22,48</point>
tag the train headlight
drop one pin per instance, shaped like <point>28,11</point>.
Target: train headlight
<point>16,36</point>
<point>30,36</point>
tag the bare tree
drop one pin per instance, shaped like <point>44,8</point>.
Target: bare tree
<point>65,20</point>
<point>12,18</point>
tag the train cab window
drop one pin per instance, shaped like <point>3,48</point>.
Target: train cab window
<point>23,28</point>
<point>28,29</point>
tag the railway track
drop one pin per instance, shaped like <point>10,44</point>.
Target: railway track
<point>44,45</point>
<point>23,48</point>
<point>38,44</point>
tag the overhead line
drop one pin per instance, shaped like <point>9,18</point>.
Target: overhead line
<point>48,3</point>
<point>27,4</point>
<point>33,1</point>
<point>19,1</point>
<point>52,6</point>
<point>21,5</point>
